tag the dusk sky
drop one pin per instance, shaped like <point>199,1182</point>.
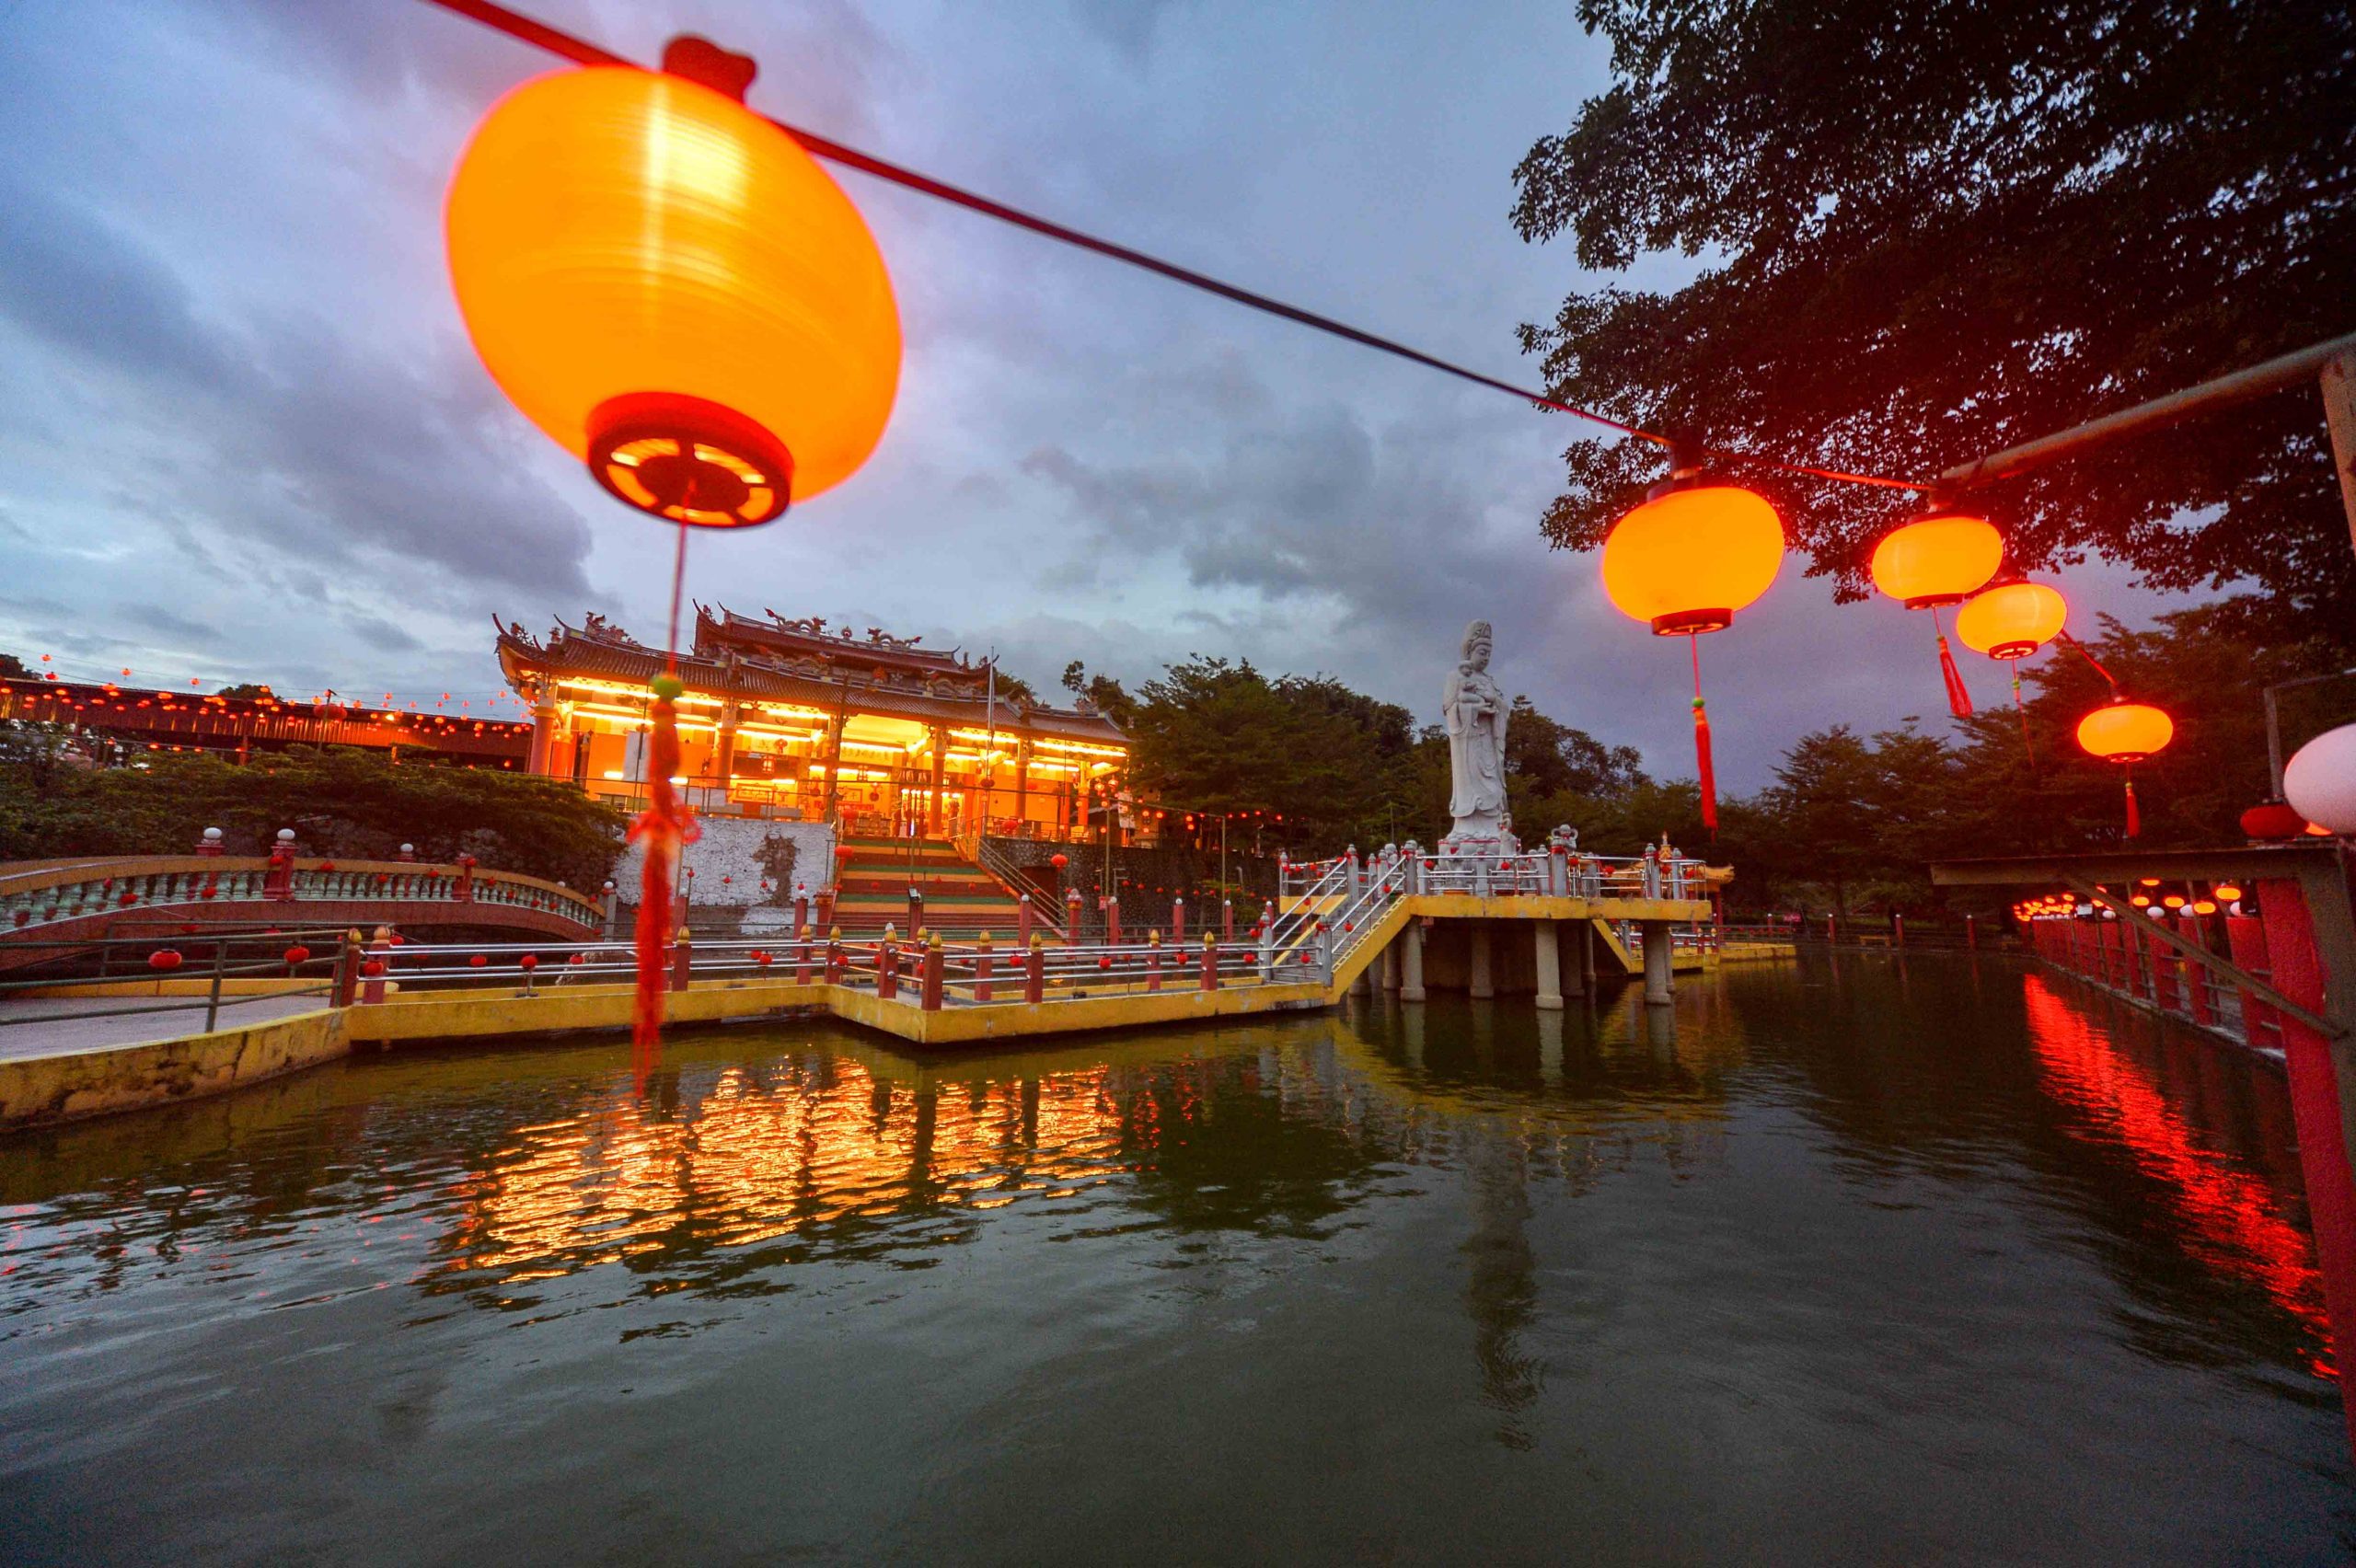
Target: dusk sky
<point>243,435</point>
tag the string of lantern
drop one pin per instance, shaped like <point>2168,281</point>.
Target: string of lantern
<point>670,286</point>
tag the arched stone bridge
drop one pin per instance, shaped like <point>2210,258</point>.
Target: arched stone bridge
<point>45,906</point>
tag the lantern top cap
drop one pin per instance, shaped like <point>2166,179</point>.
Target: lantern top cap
<point>704,63</point>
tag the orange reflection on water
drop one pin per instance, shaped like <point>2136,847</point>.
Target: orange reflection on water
<point>2233,1221</point>
<point>753,1160</point>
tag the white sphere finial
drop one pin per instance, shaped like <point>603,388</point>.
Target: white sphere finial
<point>2320,781</point>
<point>286,836</point>
<point>213,835</point>
<point>408,848</point>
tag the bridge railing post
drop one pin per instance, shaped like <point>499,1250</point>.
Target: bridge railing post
<point>1210,964</point>
<point>888,966</point>
<point>801,956</point>
<point>683,955</point>
<point>1034,971</point>
<point>834,956</point>
<point>347,970</point>
<point>982,988</point>
<point>933,962</point>
<point>1153,962</point>
<point>1268,953</point>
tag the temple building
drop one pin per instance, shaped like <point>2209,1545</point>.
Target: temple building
<point>798,721</point>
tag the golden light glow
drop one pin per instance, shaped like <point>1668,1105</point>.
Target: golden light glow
<point>1937,561</point>
<point>1686,561</point>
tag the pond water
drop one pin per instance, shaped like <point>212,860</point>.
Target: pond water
<point>1906,1259</point>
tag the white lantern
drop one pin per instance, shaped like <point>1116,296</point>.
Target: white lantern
<point>2320,783</point>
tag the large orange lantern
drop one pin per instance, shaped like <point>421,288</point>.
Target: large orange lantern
<point>1939,558</point>
<point>2126,733</point>
<point>674,291</point>
<point>1691,556</point>
<point>1683,563</point>
<point>2012,620</point>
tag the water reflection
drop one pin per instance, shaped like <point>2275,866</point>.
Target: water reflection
<point>1940,1222</point>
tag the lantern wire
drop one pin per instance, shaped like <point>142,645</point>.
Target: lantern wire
<point>539,34</point>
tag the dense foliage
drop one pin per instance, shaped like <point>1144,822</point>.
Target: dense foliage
<point>1932,230</point>
<point>1851,821</point>
<point>338,801</point>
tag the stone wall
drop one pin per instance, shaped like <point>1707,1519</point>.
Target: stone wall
<point>730,859</point>
<point>42,1091</point>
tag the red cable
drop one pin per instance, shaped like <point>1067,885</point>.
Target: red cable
<point>580,50</point>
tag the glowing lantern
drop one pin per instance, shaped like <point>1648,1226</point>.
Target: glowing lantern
<point>2320,780</point>
<point>2229,893</point>
<point>1691,555</point>
<point>2012,620</point>
<point>2126,733</point>
<point>672,290</point>
<point>1683,563</point>
<point>1941,559</point>
<point>2204,906</point>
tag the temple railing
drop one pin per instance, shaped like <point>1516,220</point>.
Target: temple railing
<point>33,898</point>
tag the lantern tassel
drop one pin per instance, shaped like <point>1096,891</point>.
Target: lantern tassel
<point>1958,696</point>
<point>665,826</point>
<point>1709,777</point>
<point>2028,748</point>
<point>2134,818</point>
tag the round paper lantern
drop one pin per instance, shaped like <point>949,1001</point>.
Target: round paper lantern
<point>2320,780</point>
<point>2275,819</point>
<point>2012,620</point>
<point>297,955</point>
<point>1943,559</point>
<point>164,958</point>
<point>1689,558</point>
<point>674,291</point>
<point>2125,732</point>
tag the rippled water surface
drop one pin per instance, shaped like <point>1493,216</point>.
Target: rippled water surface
<point>1930,1260</point>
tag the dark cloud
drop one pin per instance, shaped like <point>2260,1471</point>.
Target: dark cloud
<point>379,633</point>
<point>150,620</point>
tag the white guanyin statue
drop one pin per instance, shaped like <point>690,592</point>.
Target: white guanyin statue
<point>1474,713</point>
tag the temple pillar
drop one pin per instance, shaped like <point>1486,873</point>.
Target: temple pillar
<point>1547,943</point>
<point>1657,946</point>
<point>1022,778</point>
<point>723,745</point>
<point>544,717</point>
<point>1481,984</point>
<point>833,762</point>
<point>1411,961</point>
<point>940,737</point>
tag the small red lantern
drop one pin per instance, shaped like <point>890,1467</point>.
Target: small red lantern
<point>1059,861</point>
<point>479,961</point>
<point>762,957</point>
<point>297,955</point>
<point>163,959</point>
<point>373,967</point>
<point>528,963</point>
<point>1104,962</point>
<point>2275,819</point>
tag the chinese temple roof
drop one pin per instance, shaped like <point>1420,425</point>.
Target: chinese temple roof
<point>801,663</point>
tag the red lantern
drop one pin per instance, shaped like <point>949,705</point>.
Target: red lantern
<point>2275,819</point>
<point>479,961</point>
<point>1059,861</point>
<point>2126,733</point>
<point>528,963</point>
<point>1940,558</point>
<point>163,959</point>
<point>297,955</point>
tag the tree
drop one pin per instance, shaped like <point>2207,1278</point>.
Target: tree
<point>1935,229</point>
<point>247,690</point>
<point>13,668</point>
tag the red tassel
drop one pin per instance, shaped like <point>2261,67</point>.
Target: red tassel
<point>1959,699</point>
<point>1709,774</point>
<point>664,825</point>
<point>2134,818</point>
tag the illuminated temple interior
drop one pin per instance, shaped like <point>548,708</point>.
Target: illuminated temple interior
<point>800,721</point>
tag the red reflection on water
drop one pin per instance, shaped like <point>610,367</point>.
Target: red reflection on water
<point>2232,1220</point>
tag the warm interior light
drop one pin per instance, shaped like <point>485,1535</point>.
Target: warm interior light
<point>2204,906</point>
<point>2012,620</point>
<point>1940,559</point>
<point>1688,559</point>
<point>2125,732</point>
<point>672,290</point>
<point>2228,893</point>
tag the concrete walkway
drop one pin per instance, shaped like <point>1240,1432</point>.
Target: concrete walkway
<point>47,1026</point>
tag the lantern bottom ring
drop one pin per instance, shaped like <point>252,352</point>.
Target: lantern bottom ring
<point>2127,759</point>
<point>689,460</point>
<point>2014,650</point>
<point>1691,623</point>
<point>1935,601</point>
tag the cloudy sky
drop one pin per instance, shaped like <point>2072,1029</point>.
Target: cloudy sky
<point>242,434</point>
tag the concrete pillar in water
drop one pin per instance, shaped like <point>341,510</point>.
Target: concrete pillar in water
<point>1657,972</point>
<point>1481,984</point>
<point>1587,958</point>
<point>1550,1050</point>
<point>1411,961</point>
<point>1547,943</point>
<point>1391,951</point>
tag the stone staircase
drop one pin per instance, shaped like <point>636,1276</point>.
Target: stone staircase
<point>961,900</point>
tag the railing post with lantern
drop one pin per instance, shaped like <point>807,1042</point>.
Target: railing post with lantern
<point>1034,971</point>
<point>1210,964</point>
<point>888,966</point>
